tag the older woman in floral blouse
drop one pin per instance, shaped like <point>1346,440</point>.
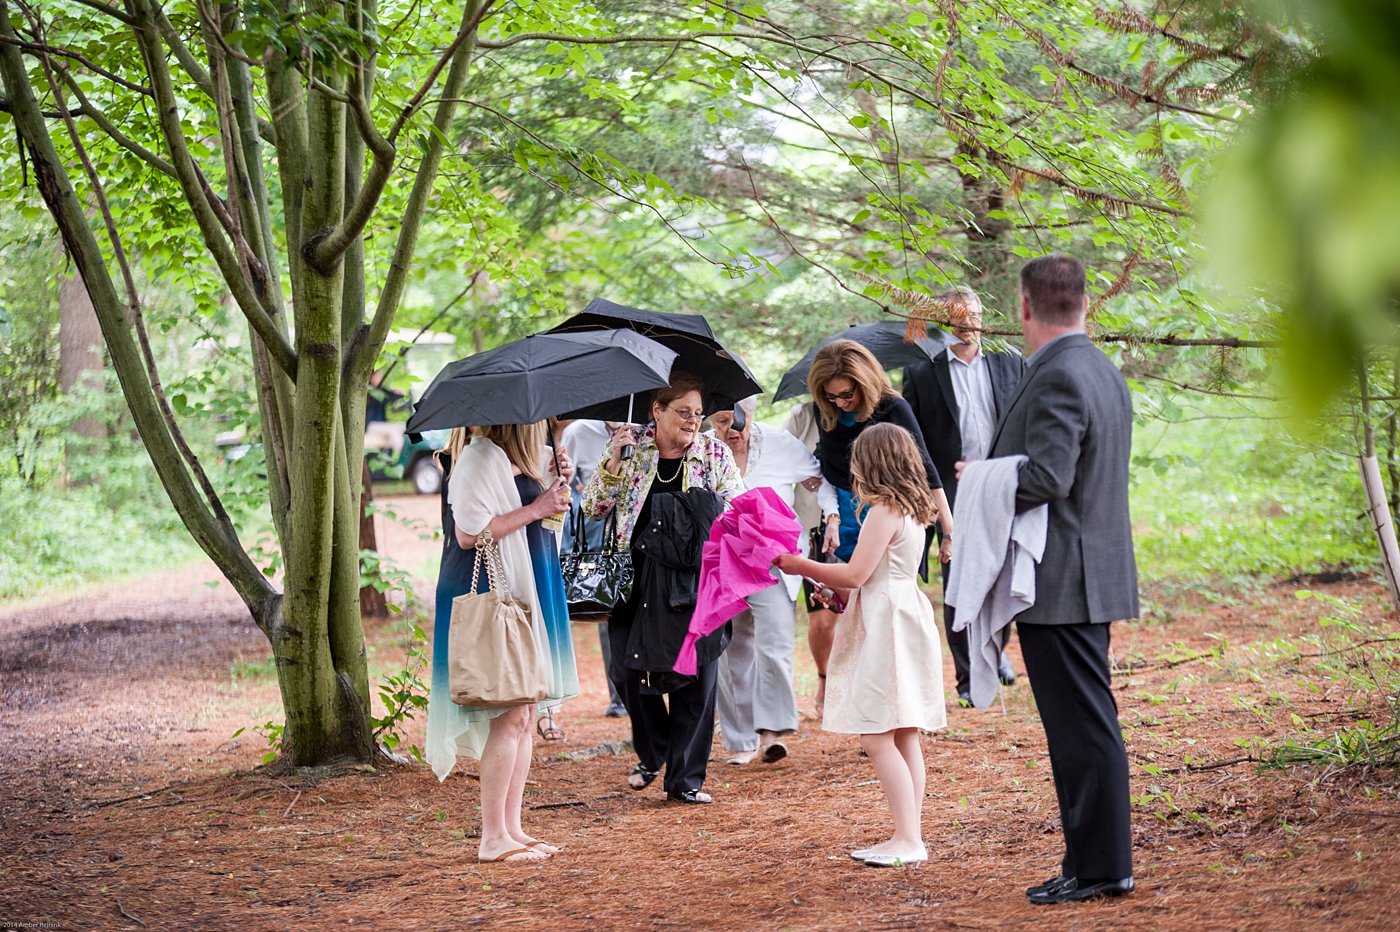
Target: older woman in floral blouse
<point>671,458</point>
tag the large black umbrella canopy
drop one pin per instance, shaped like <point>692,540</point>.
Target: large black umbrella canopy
<point>541,376</point>
<point>884,339</point>
<point>698,352</point>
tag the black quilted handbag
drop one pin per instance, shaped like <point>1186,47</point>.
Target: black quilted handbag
<point>595,581</point>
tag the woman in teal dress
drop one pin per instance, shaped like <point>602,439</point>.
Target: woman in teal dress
<point>504,480</point>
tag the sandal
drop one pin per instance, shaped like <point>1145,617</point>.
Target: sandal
<point>694,797</point>
<point>644,777</point>
<point>547,729</point>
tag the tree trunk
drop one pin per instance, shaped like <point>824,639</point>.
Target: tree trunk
<point>79,348</point>
<point>372,602</point>
<point>1379,510</point>
<point>1377,505</point>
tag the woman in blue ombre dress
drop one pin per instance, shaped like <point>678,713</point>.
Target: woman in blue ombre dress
<point>505,481</point>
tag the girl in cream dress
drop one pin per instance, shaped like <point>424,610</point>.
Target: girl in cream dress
<point>885,677</point>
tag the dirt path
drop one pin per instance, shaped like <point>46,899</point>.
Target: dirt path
<point>126,802</point>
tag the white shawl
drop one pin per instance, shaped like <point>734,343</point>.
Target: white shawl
<point>480,488</point>
<point>995,553</point>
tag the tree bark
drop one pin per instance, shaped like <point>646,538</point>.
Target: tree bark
<point>372,601</point>
<point>79,349</point>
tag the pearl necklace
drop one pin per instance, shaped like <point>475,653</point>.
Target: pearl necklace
<point>675,475</point>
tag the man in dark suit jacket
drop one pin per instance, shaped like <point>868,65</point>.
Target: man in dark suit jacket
<point>957,399</point>
<point>1072,418</point>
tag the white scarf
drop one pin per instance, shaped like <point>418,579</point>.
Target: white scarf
<point>480,488</point>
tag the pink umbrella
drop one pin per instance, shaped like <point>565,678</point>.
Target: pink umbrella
<point>735,562</point>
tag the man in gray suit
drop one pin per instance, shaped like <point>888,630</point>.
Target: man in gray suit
<point>1072,418</point>
<point>956,398</point>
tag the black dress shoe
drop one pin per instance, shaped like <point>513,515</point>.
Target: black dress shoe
<point>1076,891</point>
<point>964,700</point>
<point>1054,883</point>
<point>615,710</point>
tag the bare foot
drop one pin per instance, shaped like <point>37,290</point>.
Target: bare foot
<point>534,844</point>
<point>508,850</point>
<point>898,848</point>
<point>819,700</point>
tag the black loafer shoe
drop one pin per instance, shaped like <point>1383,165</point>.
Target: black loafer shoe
<point>1076,891</point>
<point>1054,883</point>
<point>964,700</point>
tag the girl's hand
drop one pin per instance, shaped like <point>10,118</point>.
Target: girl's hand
<point>945,549</point>
<point>787,562</point>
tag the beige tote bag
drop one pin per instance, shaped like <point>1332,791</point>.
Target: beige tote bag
<point>493,658</point>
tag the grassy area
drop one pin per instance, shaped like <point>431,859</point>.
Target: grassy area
<point>1236,497</point>
<point>57,539</point>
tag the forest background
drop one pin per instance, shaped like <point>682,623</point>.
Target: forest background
<point>268,201</point>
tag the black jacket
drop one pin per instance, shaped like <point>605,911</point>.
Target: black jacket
<point>834,446</point>
<point>928,387</point>
<point>647,633</point>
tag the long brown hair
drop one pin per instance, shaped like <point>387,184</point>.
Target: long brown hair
<point>522,444</point>
<point>847,359</point>
<point>886,469</point>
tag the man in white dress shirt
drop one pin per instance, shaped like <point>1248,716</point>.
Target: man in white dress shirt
<point>957,399</point>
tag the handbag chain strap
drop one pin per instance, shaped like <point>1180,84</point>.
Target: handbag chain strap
<point>489,552</point>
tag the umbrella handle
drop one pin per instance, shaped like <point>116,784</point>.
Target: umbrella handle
<point>626,452</point>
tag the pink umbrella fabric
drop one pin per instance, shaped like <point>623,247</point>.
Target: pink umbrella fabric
<point>735,562</point>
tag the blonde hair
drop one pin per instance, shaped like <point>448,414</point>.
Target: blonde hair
<point>522,444</point>
<point>847,359</point>
<point>887,469</point>
<point>456,440</point>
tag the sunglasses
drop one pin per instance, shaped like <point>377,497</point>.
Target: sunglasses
<point>840,396</point>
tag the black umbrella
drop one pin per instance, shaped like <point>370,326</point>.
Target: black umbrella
<point>541,376</point>
<point>698,352</point>
<point>884,339</point>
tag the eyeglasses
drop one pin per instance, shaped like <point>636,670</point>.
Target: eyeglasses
<point>685,415</point>
<point>840,396</point>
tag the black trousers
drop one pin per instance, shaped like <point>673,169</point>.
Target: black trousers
<point>1068,669</point>
<point>675,730</point>
<point>957,640</point>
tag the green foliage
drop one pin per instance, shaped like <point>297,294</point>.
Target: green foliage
<point>1222,493</point>
<point>1306,210</point>
<point>54,541</point>
<point>402,692</point>
<point>272,733</point>
<point>1367,667</point>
